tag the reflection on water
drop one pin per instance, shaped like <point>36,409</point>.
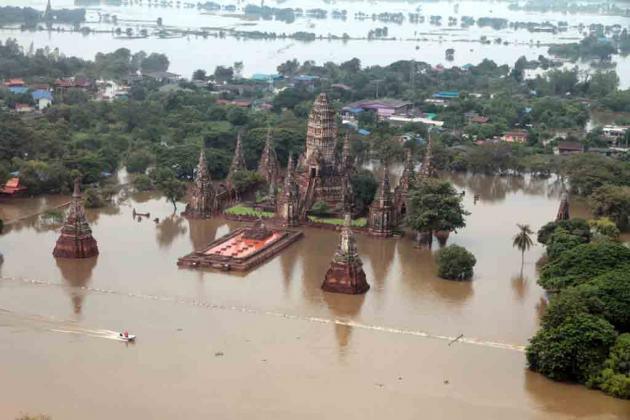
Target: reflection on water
<point>168,229</point>
<point>343,307</point>
<point>76,273</point>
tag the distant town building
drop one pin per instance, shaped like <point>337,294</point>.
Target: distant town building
<point>515,136</point>
<point>567,147</point>
<point>42,98</point>
<point>382,107</point>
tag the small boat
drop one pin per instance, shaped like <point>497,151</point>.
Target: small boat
<point>128,337</point>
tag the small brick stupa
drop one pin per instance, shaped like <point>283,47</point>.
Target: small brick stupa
<point>563,210</point>
<point>268,165</point>
<point>346,274</point>
<point>76,239</point>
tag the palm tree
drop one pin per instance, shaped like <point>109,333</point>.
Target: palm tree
<point>523,241</point>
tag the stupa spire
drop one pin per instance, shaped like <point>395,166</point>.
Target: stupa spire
<point>75,240</point>
<point>381,215</point>
<point>238,161</point>
<point>428,169</point>
<point>203,203</point>
<point>268,165</point>
<point>288,202</point>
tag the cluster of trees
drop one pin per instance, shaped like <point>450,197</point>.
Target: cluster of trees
<point>44,64</point>
<point>29,18</point>
<point>585,331</point>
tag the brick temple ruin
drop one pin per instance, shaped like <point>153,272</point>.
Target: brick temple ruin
<point>346,274</point>
<point>242,249</point>
<point>203,201</point>
<point>563,209</point>
<point>75,240</point>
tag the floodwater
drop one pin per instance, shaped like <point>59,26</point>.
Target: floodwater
<point>422,41</point>
<point>271,343</point>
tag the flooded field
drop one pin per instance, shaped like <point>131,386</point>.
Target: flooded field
<point>270,343</point>
<point>420,41</point>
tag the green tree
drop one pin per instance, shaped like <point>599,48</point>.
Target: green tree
<point>523,241</point>
<point>455,263</point>
<point>561,241</point>
<point>579,264</point>
<point>142,182</point>
<point>604,228</point>
<point>139,160</point>
<point>364,186</point>
<point>572,351</point>
<point>434,205</point>
<point>165,181</point>
<point>611,201</point>
<point>155,62</point>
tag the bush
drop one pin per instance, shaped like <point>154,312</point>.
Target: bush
<point>138,161</point>
<point>320,208</point>
<point>614,379</point>
<point>609,295</point>
<point>142,183</point>
<point>577,227</point>
<point>93,199</point>
<point>560,241</point>
<point>455,263</point>
<point>582,263</point>
<point>572,351</point>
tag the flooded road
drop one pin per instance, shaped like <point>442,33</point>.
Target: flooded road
<point>270,343</point>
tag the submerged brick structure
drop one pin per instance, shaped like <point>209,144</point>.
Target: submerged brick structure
<point>320,174</point>
<point>346,274</point>
<point>76,239</point>
<point>203,202</point>
<point>242,249</point>
<point>381,219</point>
<point>563,210</point>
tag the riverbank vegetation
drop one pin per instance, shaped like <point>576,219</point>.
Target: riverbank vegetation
<point>584,335</point>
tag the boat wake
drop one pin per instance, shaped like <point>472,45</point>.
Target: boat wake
<point>203,304</point>
<point>31,322</point>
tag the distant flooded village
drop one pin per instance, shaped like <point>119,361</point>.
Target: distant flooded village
<point>417,210</point>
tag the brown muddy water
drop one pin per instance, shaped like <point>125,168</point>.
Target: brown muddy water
<point>270,343</point>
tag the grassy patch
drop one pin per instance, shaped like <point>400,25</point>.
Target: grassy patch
<point>240,210</point>
<point>360,222</point>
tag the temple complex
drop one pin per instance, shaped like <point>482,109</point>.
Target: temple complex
<point>346,274</point>
<point>268,165</point>
<point>76,239</point>
<point>401,192</point>
<point>320,175</point>
<point>289,201</point>
<point>242,249</point>
<point>203,200</point>
<point>381,218</point>
<point>563,210</point>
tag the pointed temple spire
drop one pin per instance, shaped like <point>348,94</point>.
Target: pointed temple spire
<point>428,169</point>
<point>563,210</point>
<point>288,201</point>
<point>75,240</point>
<point>381,215</point>
<point>268,165</point>
<point>238,161</point>
<point>321,131</point>
<point>346,274</point>
<point>203,199</point>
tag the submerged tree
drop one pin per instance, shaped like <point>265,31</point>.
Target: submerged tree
<point>434,206</point>
<point>523,241</point>
<point>167,183</point>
